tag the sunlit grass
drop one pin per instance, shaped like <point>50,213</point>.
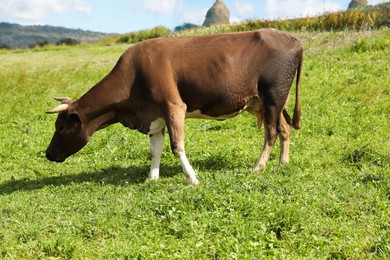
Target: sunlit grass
<point>331,201</point>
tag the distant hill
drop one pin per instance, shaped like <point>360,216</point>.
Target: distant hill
<point>19,36</point>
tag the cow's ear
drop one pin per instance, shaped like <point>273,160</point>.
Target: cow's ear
<point>75,117</point>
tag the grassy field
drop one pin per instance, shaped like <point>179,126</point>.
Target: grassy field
<point>331,201</point>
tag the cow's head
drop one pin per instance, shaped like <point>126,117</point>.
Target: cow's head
<point>70,135</point>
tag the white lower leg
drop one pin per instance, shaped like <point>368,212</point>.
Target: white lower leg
<point>284,150</point>
<point>187,168</point>
<point>156,147</point>
<point>260,165</point>
<point>284,137</point>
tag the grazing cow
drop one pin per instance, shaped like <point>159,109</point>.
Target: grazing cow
<point>158,83</point>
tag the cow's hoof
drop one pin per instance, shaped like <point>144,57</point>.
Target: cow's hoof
<point>283,160</point>
<point>193,181</point>
<point>258,168</point>
<point>152,178</point>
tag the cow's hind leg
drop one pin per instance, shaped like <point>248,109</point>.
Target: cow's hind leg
<point>175,116</point>
<point>284,137</point>
<point>269,141</point>
<point>156,148</point>
<point>274,126</point>
<point>274,97</point>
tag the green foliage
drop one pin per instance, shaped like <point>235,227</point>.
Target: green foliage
<point>185,26</point>
<point>67,41</point>
<point>4,46</point>
<point>364,44</point>
<point>338,21</point>
<point>142,35</point>
<point>373,17</point>
<point>39,44</point>
<point>331,201</point>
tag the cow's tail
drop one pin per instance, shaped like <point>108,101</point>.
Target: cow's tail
<point>297,109</point>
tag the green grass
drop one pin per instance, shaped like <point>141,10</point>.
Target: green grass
<point>331,201</point>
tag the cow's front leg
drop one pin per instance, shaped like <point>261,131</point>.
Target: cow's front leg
<point>156,148</point>
<point>175,123</point>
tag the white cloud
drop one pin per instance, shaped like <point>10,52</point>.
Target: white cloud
<point>37,10</point>
<point>161,6</point>
<point>194,15</point>
<point>243,8</point>
<point>293,8</point>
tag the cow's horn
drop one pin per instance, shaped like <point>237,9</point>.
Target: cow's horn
<point>63,99</point>
<point>60,108</point>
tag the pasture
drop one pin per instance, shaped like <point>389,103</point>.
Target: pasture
<point>331,201</point>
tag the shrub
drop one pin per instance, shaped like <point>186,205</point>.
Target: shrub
<point>39,44</point>
<point>123,39</point>
<point>142,35</point>
<point>185,26</point>
<point>360,45</point>
<point>363,45</point>
<point>4,47</point>
<point>67,41</point>
<point>376,17</point>
<point>338,21</point>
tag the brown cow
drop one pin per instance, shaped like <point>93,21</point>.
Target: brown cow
<point>158,83</point>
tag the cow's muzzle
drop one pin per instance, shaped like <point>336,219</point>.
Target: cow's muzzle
<point>54,158</point>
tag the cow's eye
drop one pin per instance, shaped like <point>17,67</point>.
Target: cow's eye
<point>60,128</point>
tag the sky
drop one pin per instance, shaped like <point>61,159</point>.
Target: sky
<point>121,16</point>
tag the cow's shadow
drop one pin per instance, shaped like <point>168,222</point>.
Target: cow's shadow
<point>115,175</point>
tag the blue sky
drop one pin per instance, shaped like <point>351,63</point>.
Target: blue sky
<point>121,16</point>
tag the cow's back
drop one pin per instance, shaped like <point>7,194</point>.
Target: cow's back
<point>217,70</point>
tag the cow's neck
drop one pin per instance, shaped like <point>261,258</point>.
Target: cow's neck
<point>98,106</point>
